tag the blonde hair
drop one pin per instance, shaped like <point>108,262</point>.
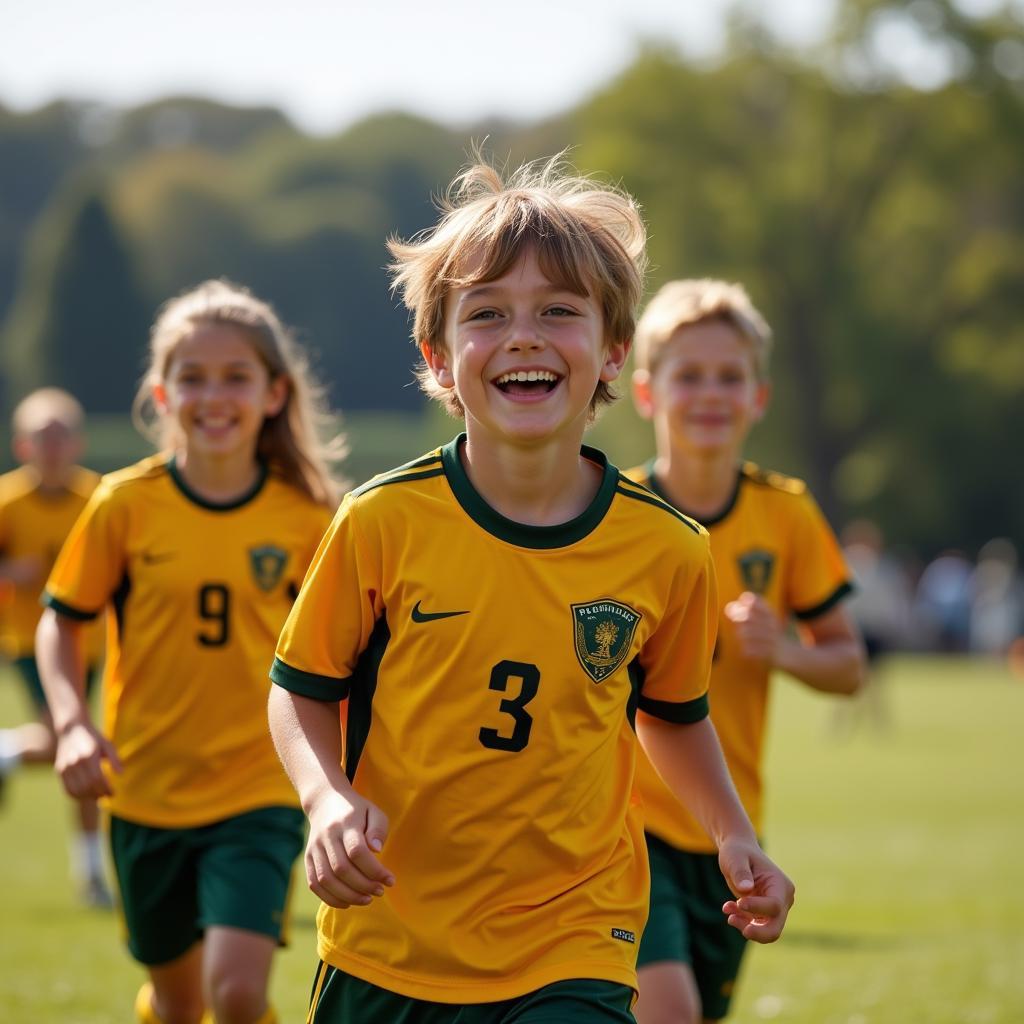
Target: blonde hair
<point>681,304</point>
<point>290,442</point>
<point>45,406</point>
<point>586,236</point>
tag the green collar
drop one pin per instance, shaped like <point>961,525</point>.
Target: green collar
<point>652,483</point>
<point>521,534</point>
<point>215,506</point>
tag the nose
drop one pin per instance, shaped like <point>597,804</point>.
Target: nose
<point>523,335</point>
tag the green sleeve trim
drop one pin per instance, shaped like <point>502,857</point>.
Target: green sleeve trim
<point>308,684</point>
<point>827,605</point>
<point>67,610</point>
<point>685,713</point>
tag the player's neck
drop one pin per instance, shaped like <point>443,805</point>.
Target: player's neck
<point>218,480</point>
<point>52,481</point>
<point>701,486</point>
<point>536,485</point>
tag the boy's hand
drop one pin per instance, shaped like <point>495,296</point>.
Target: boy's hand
<point>344,835</point>
<point>763,892</point>
<point>81,751</point>
<point>757,627</point>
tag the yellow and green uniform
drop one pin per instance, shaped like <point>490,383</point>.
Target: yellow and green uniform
<point>771,539</point>
<point>199,593</point>
<point>493,671</point>
<point>34,524</point>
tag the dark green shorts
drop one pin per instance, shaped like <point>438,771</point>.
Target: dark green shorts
<point>177,882</point>
<point>686,923</point>
<point>339,998</point>
<point>29,672</point>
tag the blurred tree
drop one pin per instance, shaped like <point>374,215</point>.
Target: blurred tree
<point>874,228</point>
<point>35,151</point>
<point>79,321</point>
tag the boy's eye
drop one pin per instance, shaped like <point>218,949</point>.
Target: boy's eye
<point>484,314</point>
<point>561,311</point>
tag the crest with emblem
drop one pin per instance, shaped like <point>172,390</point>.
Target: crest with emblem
<point>756,569</point>
<point>603,634</point>
<point>267,563</point>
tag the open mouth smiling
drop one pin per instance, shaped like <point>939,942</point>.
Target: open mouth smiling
<point>527,382</point>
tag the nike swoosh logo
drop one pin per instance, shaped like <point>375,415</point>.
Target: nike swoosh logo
<point>418,616</point>
<point>149,558</point>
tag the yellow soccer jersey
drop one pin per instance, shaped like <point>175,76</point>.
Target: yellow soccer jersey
<point>773,540</point>
<point>34,524</point>
<point>492,672</point>
<point>199,595</point>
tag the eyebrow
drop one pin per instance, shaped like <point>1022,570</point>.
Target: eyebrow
<point>236,364</point>
<point>489,288</point>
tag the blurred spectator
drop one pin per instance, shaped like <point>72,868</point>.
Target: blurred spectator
<point>997,599</point>
<point>943,603</point>
<point>881,602</point>
<point>880,605</point>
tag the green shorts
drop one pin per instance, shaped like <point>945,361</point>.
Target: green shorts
<point>686,923</point>
<point>177,882</point>
<point>29,672</point>
<point>340,998</point>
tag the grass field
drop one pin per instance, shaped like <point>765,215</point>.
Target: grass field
<point>905,846</point>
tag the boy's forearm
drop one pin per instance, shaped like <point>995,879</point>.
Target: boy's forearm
<point>61,669</point>
<point>307,735</point>
<point>835,666</point>
<point>689,760</point>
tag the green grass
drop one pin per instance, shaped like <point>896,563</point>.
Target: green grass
<point>905,847</point>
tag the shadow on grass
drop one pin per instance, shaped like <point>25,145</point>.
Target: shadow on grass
<point>839,941</point>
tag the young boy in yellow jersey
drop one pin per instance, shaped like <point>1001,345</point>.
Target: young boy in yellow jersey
<point>39,503</point>
<point>702,362</point>
<point>501,614</point>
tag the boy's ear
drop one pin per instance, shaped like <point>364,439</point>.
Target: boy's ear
<point>614,359</point>
<point>642,397</point>
<point>762,399</point>
<point>21,447</point>
<point>160,396</point>
<point>437,361</point>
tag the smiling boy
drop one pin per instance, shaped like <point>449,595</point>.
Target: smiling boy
<point>502,614</point>
<point>702,378</point>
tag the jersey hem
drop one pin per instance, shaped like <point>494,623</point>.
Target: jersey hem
<point>487,990</point>
<point>308,684</point>
<point>685,713</point>
<point>142,817</point>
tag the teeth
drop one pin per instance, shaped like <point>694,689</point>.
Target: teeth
<point>527,375</point>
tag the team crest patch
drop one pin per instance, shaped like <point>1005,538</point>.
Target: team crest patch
<point>756,568</point>
<point>603,633</point>
<point>267,563</point>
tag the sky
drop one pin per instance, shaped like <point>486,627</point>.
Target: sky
<point>329,64</point>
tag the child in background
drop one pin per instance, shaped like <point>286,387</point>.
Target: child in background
<point>702,378</point>
<point>500,615</point>
<point>200,550</point>
<point>39,503</point>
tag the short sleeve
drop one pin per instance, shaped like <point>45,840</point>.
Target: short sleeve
<point>333,617</point>
<point>819,577</point>
<point>91,562</point>
<point>676,660</point>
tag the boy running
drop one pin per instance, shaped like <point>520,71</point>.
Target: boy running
<point>501,615</point>
<point>702,377</point>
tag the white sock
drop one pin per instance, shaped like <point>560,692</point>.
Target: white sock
<point>88,855</point>
<point>10,751</point>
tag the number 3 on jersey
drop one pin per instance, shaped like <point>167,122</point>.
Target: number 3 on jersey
<point>215,610</point>
<point>501,675</point>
